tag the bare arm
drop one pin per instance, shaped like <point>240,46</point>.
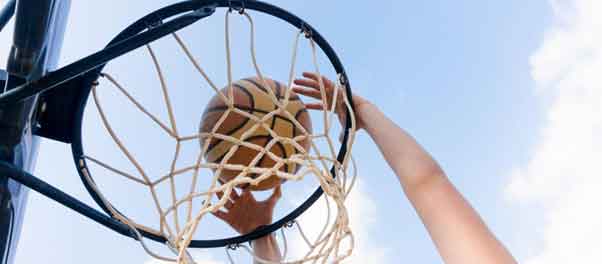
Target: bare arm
<point>455,227</point>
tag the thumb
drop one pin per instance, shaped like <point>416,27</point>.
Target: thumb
<point>275,195</point>
<point>246,193</point>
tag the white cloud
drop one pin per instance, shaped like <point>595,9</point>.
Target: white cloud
<point>564,175</point>
<point>362,218</point>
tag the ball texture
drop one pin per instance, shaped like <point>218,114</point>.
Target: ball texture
<point>251,96</point>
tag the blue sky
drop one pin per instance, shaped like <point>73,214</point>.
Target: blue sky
<point>460,76</point>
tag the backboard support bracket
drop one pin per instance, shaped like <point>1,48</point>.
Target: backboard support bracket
<point>55,118</point>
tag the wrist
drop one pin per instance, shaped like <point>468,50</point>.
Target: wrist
<point>366,106</point>
<point>262,241</point>
<point>266,248</point>
<point>364,113</point>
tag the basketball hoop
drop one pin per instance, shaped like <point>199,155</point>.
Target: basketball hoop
<point>333,169</point>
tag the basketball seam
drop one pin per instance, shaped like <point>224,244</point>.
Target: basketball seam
<point>272,127</point>
<point>280,97</point>
<point>283,149</point>
<point>270,138</point>
<point>218,160</point>
<point>244,123</point>
<point>221,108</point>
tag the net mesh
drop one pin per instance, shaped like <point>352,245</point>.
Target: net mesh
<point>325,247</point>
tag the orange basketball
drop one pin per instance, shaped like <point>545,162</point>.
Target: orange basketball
<point>251,96</point>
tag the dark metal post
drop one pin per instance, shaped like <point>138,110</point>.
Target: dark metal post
<point>38,35</point>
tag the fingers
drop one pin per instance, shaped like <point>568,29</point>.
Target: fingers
<point>221,215</point>
<point>234,194</point>
<point>310,75</point>
<point>314,77</point>
<point>308,92</point>
<point>247,194</point>
<point>230,202</point>
<point>275,195</point>
<point>313,84</point>
<point>307,83</point>
<point>311,88</point>
<point>314,106</point>
<point>311,81</point>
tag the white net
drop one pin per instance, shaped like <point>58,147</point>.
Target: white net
<point>326,246</point>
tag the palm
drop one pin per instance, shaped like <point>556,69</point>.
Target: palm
<point>244,213</point>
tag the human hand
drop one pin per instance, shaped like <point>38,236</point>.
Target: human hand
<point>245,214</point>
<point>310,86</point>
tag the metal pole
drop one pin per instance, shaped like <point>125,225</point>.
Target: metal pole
<point>38,35</point>
<point>7,12</point>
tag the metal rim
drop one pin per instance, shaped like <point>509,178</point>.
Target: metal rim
<point>158,16</point>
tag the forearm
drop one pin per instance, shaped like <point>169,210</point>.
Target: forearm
<point>457,230</point>
<point>410,162</point>
<point>455,227</point>
<point>266,248</point>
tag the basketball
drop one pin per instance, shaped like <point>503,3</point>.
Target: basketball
<point>251,96</point>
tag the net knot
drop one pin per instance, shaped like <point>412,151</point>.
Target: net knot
<point>240,9</point>
<point>290,224</point>
<point>306,31</point>
<point>342,79</point>
<point>233,246</point>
